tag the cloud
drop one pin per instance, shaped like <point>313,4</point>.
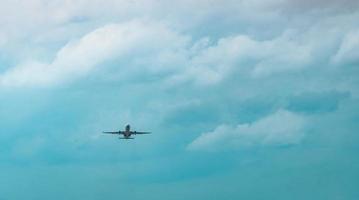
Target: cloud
<point>79,57</point>
<point>321,5</point>
<point>57,21</point>
<point>280,128</point>
<point>244,55</point>
<point>155,47</point>
<point>171,47</point>
<point>348,52</point>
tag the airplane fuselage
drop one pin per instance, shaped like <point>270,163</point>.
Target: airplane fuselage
<point>127,132</point>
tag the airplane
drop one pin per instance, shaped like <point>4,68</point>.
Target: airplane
<point>126,133</point>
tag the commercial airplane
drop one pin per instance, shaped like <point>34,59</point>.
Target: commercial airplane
<point>126,133</point>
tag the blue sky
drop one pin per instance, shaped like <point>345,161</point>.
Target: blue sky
<point>245,99</point>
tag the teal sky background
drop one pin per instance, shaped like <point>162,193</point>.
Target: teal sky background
<point>245,99</point>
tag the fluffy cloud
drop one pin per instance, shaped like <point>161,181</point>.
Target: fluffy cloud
<point>156,47</point>
<point>248,56</point>
<point>79,57</point>
<point>280,128</point>
<point>170,42</point>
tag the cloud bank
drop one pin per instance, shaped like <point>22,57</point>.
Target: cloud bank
<point>152,43</point>
<point>240,62</point>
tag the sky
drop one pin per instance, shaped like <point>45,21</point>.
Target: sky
<point>244,99</point>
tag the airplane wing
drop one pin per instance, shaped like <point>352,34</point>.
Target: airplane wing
<point>139,132</point>
<point>113,132</point>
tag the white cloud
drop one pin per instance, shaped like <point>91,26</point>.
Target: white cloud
<point>250,57</point>
<point>26,19</point>
<point>79,57</point>
<point>157,48</point>
<point>163,43</point>
<point>280,128</point>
